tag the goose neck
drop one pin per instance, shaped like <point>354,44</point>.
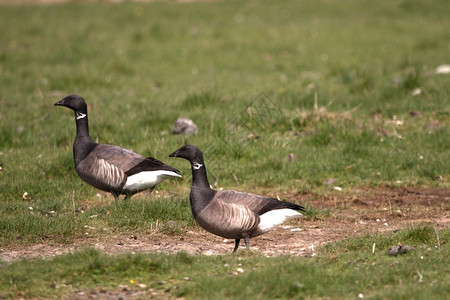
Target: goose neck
<point>81,120</point>
<point>199,177</point>
<point>83,143</point>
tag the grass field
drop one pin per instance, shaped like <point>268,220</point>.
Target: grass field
<point>349,88</point>
<point>348,269</point>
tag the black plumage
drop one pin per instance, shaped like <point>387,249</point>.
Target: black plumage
<point>232,214</point>
<point>108,167</point>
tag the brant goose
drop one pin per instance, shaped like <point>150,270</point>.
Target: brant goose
<point>112,168</point>
<point>232,214</point>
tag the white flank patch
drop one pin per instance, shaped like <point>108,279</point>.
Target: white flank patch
<point>144,180</point>
<point>273,218</point>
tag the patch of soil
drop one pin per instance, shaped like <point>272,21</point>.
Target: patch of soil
<point>363,211</point>
<point>360,212</point>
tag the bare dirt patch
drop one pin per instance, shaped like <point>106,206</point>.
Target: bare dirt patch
<point>360,212</point>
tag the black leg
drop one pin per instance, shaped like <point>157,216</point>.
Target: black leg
<point>150,190</point>
<point>116,196</point>
<point>236,244</point>
<point>247,240</point>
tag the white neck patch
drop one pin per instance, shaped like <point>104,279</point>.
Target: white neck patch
<point>79,115</point>
<point>196,166</point>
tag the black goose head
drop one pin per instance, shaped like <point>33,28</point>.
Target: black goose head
<point>76,103</point>
<point>189,152</point>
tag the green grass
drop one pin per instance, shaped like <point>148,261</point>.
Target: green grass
<point>343,270</point>
<point>330,81</point>
<point>62,221</point>
<point>140,67</point>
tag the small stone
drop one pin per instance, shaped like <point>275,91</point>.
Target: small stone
<point>401,249</point>
<point>416,92</point>
<point>184,126</point>
<point>443,69</point>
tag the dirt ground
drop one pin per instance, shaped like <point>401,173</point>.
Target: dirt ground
<point>360,212</point>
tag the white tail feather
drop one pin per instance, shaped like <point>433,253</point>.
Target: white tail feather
<point>147,179</point>
<point>273,218</point>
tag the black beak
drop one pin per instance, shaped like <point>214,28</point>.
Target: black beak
<point>175,154</point>
<point>64,101</point>
<point>59,103</point>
